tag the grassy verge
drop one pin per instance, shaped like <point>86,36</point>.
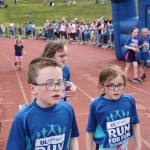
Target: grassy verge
<point>83,10</point>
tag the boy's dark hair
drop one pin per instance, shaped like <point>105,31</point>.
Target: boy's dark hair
<point>40,63</point>
<point>52,47</point>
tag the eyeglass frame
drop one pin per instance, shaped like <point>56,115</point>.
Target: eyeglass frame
<point>62,56</point>
<point>45,84</point>
<point>114,86</point>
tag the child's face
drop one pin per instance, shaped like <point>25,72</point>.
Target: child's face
<point>47,98</point>
<point>144,33</point>
<point>19,41</point>
<point>61,56</point>
<point>135,33</point>
<point>112,93</point>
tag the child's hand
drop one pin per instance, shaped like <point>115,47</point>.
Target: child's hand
<point>134,49</point>
<point>144,44</point>
<point>137,49</point>
<point>71,92</point>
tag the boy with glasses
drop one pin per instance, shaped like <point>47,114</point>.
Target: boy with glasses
<point>113,117</point>
<point>40,124</point>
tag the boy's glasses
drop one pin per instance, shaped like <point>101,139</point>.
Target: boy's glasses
<point>51,85</point>
<point>62,56</point>
<point>113,87</point>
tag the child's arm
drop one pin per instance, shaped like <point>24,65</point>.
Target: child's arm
<point>131,48</point>
<point>89,140</point>
<point>137,136</point>
<point>74,144</point>
<point>23,51</point>
<point>14,51</point>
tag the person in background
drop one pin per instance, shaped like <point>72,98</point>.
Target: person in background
<point>18,50</point>
<point>132,47</point>
<point>144,51</point>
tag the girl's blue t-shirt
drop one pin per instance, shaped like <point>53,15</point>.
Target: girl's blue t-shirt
<point>112,120</point>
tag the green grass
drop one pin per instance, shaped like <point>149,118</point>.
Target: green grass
<point>83,10</point>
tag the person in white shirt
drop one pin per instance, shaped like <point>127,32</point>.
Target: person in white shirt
<point>12,28</point>
<point>73,31</point>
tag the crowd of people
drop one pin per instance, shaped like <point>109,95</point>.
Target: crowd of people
<point>99,31</point>
<point>3,4</point>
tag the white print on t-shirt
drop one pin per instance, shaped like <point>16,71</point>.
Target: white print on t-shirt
<point>118,130</point>
<point>50,143</point>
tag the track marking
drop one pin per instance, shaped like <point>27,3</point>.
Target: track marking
<point>20,84</point>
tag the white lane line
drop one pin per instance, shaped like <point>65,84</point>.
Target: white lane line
<point>79,114</point>
<point>139,89</point>
<point>5,91</point>
<point>145,142</point>
<point>7,120</point>
<point>20,84</point>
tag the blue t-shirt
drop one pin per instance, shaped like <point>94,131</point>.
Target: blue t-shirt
<point>36,128</point>
<point>18,49</point>
<point>112,120</point>
<point>66,73</point>
<point>132,42</point>
<point>143,53</point>
<point>66,77</point>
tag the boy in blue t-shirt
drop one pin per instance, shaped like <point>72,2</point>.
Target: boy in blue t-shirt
<point>144,51</point>
<point>40,124</point>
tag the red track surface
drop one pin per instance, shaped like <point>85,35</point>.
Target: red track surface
<point>85,63</point>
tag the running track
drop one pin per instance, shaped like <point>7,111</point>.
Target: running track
<point>85,63</point>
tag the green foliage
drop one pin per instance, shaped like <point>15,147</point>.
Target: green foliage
<point>83,10</point>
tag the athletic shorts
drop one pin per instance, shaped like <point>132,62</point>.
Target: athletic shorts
<point>130,56</point>
<point>62,33</point>
<point>18,57</point>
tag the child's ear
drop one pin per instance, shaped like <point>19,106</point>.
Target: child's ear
<point>102,88</point>
<point>32,89</point>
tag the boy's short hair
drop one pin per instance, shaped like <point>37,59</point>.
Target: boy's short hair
<point>40,63</point>
<point>110,73</point>
<point>52,47</point>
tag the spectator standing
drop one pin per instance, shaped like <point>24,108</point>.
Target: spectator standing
<point>97,1</point>
<point>144,52</point>
<point>15,2</point>
<point>30,13</point>
<point>63,30</point>
<point>12,29</point>
<point>64,2</point>
<point>73,31</point>
<point>33,28</point>
<point>63,18</point>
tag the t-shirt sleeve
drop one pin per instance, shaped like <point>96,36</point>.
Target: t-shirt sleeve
<point>135,119</point>
<point>75,131</point>
<point>128,41</point>
<point>17,136</point>
<point>92,122</point>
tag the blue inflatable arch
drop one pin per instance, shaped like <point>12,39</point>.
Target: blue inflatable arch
<point>125,17</point>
